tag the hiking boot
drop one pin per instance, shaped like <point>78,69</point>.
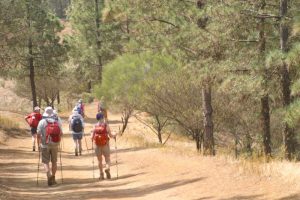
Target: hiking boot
<point>53,180</point>
<point>33,148</point>
<point>107,174</point>
<point>76,153</point>
<point>101,177</point>
<point>80,152</point>
<point>49,179</point>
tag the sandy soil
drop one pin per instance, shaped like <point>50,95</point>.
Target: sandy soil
<point>143,173</point>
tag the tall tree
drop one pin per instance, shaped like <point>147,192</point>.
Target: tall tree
<point>38,51</point>
<point>96,40</point>
<point>288,132</point>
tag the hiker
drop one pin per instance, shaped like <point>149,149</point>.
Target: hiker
<point>80,107</point>
<point>76,126</point>
<point>100,136</point>
<point>56,117</point>
<point>33,120</point>
<point>102,109</point>
<point>49,132</point>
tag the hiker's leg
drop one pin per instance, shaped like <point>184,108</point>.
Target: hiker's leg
<point>80,146</point>
<point>54,168</point>
<point>99,157</point>
<point>33,137</point>
<point>46,160</point>
<point>100,166</point>
<point>54,153</point>
<point>75,144</point>
<point>106,153</point>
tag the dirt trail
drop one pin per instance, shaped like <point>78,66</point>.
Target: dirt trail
<point>144,173</point>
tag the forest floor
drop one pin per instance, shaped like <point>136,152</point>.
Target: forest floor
<point>144,172</point>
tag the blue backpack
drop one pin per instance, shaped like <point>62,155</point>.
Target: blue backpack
<point>76,124</point>
<point>79,109</point>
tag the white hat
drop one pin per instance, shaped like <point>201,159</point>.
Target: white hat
<point>36,108</point>
<point>48,112</point>
<point>75,111</point>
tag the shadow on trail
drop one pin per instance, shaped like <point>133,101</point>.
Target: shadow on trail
<point>17,154</point>
<point>103,189</point>
<point>126,150</point>
<point>243,197</point>
<point>291,197</point>
<point>203,198</point>
<point>13,167</point>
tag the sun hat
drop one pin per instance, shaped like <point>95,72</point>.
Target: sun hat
<point>48,112</point>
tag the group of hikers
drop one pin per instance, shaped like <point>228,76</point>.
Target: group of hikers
<point>47,133</point>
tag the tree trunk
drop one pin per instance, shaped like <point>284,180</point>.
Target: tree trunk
<point>208,146</point>
<point>289,141</point>
<point>265,120</point>
<point>30,61</point>
<point>125,118</point>
<point>58,97</point>
<point>89,86</point>
<point>265,108</point>
<point>198,141</point>
<point>236,142</point>
<point>98,40</point>
<point>248,144</point>
<point>159,129</point>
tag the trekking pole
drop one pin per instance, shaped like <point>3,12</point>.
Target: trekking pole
<point>116,157</point>
<point>93,160</point>
<point>62,142</point>
<point>61,173</point>
<point>38,171</point>
<point>87,148</point>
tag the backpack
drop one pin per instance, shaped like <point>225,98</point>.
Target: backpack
<point>100,135</point>
<point>78,108</point>
<point>52,132</point>
<point>76,124</point>
<point>34,120</point>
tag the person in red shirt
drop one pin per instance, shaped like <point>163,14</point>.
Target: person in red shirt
<point>33,120</point>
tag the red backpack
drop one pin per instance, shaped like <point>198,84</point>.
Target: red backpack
<point>34,119</point>
<point>100,135</point>
<point>52,132</point>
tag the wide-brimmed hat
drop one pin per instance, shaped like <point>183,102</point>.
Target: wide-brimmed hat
<point>48,112</point>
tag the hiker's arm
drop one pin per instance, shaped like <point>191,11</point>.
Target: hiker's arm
<point>39,135</point>
<point>109,132</point>
<point>39,138</point>
<point>82,122</point>
<point>69,121</point>
<point>92,134</point>
<point>26,118</point>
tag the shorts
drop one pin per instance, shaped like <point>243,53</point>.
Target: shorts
<point>77,136</point>
<point>33,130</point>
<point>50,153</point>
<point>102,150</point>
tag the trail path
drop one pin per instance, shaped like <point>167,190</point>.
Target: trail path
<point>144,173</point>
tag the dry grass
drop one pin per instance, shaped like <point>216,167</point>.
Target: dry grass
<point>8,124</point>
<point>284,169</point>
<point>257,166</point>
